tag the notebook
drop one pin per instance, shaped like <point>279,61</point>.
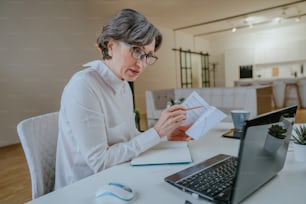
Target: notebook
<point>174,152</point>
<point>228,179</point>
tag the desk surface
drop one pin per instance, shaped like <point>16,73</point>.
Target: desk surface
<point>148,181</point>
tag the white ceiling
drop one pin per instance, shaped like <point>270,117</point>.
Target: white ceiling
<point>179,14</point>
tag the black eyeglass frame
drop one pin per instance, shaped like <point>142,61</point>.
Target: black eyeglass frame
<point>138,54</point>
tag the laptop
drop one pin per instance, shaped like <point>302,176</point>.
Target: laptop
<point>228,179</point>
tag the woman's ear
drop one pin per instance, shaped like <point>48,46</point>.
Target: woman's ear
<point>110,46</point>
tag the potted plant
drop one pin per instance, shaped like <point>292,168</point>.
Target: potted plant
<point>299,137</point>
<point>277,131</point>
<point>172,102</point>
<point>275,138</point>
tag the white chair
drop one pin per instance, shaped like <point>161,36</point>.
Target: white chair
<point>38,137</point>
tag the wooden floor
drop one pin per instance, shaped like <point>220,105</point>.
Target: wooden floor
<point>15,183</point>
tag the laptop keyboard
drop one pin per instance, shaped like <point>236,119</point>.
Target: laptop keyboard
<point>213,180</point>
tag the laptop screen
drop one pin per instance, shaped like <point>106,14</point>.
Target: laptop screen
<point>260,159</point>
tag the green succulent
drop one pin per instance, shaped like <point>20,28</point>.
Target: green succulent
<point>300,134</point>
<point>277,131</point>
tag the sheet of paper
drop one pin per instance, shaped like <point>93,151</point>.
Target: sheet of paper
<point>165,153</point>
<point>202,119</point>
<point>207,121</point>
<point>193,100</point>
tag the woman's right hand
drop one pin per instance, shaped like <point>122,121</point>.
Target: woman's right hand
<point>170,119</point>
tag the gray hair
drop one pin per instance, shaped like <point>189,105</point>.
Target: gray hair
<point>131,27</point>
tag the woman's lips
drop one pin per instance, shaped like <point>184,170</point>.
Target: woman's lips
<point>134,72</point>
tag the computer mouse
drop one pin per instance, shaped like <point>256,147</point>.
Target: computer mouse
<point>115,191</point>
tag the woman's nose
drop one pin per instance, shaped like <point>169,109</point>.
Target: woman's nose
<point>141,63</point>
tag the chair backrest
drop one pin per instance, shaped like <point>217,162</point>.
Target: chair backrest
<point>38,137</point>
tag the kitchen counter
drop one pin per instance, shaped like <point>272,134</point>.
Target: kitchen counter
<point>280,85</point>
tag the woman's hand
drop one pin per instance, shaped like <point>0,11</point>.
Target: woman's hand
<point>179,134</point>
<point>170,119</point>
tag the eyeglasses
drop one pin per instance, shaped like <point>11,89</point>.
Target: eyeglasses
<point>139,54</point>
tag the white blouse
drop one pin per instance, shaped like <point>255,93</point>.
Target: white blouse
<point>97,125</point>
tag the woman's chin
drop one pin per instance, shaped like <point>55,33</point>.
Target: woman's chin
<point>131,78</point>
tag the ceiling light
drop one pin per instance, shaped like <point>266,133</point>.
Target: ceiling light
<point>278,20</point>
<point>279,15</point>
<point>255,19</point>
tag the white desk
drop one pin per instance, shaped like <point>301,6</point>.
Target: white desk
<point>148,181</point>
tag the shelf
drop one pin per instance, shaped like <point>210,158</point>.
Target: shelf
<point>280,63</point>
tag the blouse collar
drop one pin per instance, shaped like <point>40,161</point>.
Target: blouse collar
<point>107,74</point>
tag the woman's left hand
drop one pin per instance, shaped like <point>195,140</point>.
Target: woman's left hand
<point>179,134</point>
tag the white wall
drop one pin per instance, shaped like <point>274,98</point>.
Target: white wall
<point>273,46</point>
<point>41,45</point>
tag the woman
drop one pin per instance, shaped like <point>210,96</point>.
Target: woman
<point>96,118</point>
